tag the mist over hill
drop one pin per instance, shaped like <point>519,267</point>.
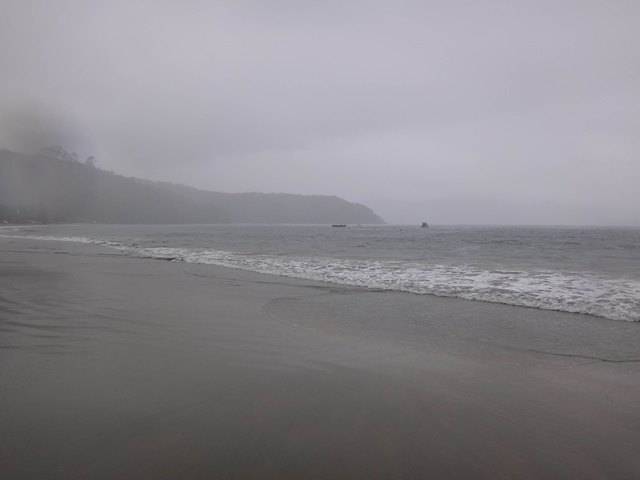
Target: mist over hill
<point>54,187</point>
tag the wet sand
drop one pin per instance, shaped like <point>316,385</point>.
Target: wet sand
<point>115,367</point>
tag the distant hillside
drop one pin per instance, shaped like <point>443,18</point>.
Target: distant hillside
<point>57,188</point>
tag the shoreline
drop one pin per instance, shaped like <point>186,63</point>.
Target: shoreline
<point>122,367</point>
<point>177,254</point>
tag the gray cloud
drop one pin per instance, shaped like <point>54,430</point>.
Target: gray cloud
<point>517,112</point>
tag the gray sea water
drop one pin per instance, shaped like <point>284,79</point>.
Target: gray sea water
<point>594,271</point>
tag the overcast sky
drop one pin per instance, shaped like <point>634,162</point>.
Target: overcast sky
<point>450,112</point>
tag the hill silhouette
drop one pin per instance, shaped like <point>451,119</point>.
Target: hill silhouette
<point>54,187</point>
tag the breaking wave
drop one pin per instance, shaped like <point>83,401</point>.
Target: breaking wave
<point>613,298</point>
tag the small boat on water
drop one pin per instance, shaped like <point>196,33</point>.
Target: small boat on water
<point>339,225</point>
<point>424,225</point>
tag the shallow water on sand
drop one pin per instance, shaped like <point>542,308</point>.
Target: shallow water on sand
<point>584,270</point>
<point>118,367</point>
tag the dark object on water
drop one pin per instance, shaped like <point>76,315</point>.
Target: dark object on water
<point>424,225</point>
<point>339,225</point>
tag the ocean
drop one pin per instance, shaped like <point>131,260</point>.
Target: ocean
<point>594,271</point>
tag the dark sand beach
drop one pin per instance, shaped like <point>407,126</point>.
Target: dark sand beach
<point>124,368</point>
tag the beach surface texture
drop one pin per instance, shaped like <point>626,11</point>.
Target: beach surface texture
<point>114,367</point>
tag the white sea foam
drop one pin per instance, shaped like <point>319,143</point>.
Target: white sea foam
<point>613,298</point>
